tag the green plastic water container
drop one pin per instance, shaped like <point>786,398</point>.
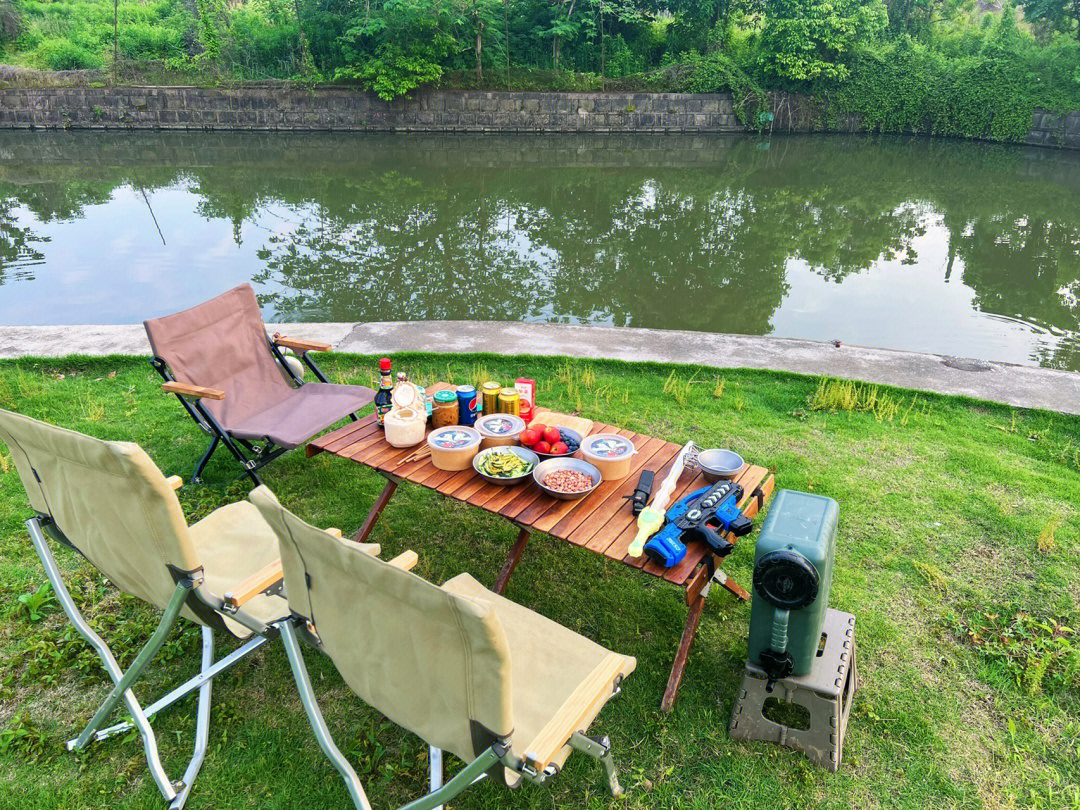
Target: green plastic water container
<point>793,565</point>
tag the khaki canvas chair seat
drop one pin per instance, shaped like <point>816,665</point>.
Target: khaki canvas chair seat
<point>109,502</point>
<point>239,387</point>
<point>508,691</point>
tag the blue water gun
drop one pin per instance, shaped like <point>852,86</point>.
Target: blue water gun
<point>706,514</point>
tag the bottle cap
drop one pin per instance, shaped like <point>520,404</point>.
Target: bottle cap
<point>384,364</point>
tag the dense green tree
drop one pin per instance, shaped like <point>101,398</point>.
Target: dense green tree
<point>808,40</point>
<point>1059,15</point>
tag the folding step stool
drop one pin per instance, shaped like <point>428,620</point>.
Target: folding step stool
<point>826,693</point>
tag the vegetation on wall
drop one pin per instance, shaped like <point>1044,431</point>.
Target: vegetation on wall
<point>951,67</point>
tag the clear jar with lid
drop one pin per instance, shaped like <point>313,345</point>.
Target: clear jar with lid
<point>444,410</point>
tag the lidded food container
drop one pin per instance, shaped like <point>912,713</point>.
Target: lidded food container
<point>453,447</point>
<point>406,421</point>
<point>610,453</point>
<point>498,429</point>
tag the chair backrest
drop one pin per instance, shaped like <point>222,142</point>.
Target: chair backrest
<point>110,501</point>
<point>433,662</point>
<point>222,344</point>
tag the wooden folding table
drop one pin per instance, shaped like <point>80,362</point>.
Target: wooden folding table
<point>601,522</point>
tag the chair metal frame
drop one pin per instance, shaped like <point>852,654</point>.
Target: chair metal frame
<point>257,455</point>
<point>497,754</point>
<point>190,590</point>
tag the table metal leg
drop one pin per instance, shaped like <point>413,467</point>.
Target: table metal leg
<point>693,619</point>
<point>512,560</point>
<point>376,510</point>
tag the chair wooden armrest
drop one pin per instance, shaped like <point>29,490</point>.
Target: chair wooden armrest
<point>576,713</point>
<point>333,532</point>
<point>406,560</point>
<point>174,482</point>
<point>188,390</point>
<point>254,585</point>
<point>301,345</point>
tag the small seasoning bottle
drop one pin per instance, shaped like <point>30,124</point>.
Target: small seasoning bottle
<point>445,409</point>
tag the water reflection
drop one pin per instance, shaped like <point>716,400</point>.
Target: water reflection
<point>943,246</point>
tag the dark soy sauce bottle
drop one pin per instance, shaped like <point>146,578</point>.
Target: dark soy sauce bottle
<point>383,400</point>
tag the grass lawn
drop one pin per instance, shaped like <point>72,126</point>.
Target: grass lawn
<point>958,554</point>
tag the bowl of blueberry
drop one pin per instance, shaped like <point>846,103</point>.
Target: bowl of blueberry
<point>550,442</point>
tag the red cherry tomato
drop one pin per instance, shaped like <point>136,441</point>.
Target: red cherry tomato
<point>559,449</point>
<point>552,435</point>
<point>529,437</point>
<point>541,447</point>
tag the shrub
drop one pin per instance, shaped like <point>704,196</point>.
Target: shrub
<point>62,54</point>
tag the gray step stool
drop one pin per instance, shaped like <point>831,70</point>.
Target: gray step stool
<point>826,693</point>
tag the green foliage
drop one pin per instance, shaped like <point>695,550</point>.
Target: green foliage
<point>807,40</point>
<point>718,73</point>
<point>62,54</point>
<point>986,86</point>
<point>22,736</point>
<point>1033,654</point>
<point>33,603</point>
<point>208,28</point>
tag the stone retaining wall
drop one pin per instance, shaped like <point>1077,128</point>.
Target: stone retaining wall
<point>347,109</point>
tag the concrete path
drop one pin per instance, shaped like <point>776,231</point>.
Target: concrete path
<point>1023,386</point>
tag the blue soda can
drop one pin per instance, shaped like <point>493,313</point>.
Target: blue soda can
<point>466,400</point>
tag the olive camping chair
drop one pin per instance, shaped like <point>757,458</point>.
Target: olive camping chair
<point>506,690</point>
<point>109,502</point>
<point>237,384</point>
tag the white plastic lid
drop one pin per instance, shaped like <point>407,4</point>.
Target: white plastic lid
<point>500,424</point>
<point>607,447</point>
<point>453,437</point>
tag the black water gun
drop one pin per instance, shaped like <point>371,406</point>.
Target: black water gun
<point>707,514</point>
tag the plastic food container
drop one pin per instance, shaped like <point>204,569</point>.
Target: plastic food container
<point>453,447</point>
<point>610,453</point>
<point>499,429</point>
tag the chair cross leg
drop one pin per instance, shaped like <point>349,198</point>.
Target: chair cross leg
<point>145,656</point>
<point>202,724</point>
<point>153,760</point>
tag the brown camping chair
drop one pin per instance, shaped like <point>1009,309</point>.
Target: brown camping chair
<point>109,502</point>
<point>236,384</point>
<point>503,688</point>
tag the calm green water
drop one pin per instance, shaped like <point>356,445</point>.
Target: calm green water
<point>953,247</point>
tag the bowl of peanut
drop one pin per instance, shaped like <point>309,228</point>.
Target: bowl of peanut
<point>566,478</point>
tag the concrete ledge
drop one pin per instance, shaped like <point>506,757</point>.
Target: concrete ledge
<point>1022,386</point>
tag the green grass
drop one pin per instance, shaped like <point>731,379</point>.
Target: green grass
<point>957,552</point>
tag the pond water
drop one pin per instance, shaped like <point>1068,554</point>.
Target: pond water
<point>953,247</point>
